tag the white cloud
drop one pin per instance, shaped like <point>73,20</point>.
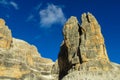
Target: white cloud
<point>14,5</point>
<point>51,15</point>
<point>34,13</point>
<point>7,4</point>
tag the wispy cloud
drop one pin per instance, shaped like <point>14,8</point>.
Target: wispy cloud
<point>14,5</point>
<point>51,15</point>
<point>38,7</point>
<point>47,17</point>
<point>30,18</point>
<point>7,3</point>
<point>34,13</point>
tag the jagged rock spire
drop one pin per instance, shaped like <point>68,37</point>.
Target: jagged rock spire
<point>92,41</point>
<point>83,48</point>
<point>71,39</point>
<point>92,46</point>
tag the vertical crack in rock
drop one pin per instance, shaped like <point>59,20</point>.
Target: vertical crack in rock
<point>87,17</point>
<point>80,30</point>
<point>92,47</point>
<point>83,47</point>
<point>82,55</point>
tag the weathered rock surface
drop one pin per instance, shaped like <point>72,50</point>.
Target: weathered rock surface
<point>92,46</point>
<point>23,62</point>
<point>82,55</point>
<point>113,74</point>
<point>5,35</point>
<point>20,60</point>
<point>83,51</point>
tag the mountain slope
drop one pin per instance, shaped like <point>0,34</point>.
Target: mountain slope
<point>82,56</point>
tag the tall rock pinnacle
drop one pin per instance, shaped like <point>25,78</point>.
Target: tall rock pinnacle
<point>71,39</point>
<point>82,55</point>
<point>92,45</point>
<point>83,48</point>
<point>5,35</point>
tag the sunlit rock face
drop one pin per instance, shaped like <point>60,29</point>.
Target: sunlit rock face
<point>82,55</point>
<point>83,49</point>
<point>20,60</point>
<point>5,35</point>
<point>92,47</point>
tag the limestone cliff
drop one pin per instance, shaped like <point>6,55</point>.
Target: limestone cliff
<point>5,35</point>
<point>20,60</point>
<point>82,56</point>
<point>83,52</point>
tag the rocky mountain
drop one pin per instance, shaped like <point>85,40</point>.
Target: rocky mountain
<point>20,60</point>
<point>82,56</point>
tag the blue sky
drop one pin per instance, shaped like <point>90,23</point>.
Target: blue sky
<point>40,22</point>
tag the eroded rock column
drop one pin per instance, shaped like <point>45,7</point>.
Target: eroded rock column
<point>83,48</point>
<point>71,39</point>
<point>92,47</point>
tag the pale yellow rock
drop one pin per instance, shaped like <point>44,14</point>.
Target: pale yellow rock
<point>5,35</point>
<point>13,72</point>
<point>93,45</point>
<point>23,59</point>
<point>82,55</point>
<point>2,22</point>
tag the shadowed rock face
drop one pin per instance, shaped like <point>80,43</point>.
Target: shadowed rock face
<point>83,48</point>
<point>82,55</point>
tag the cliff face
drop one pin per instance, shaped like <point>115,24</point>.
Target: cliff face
<point>5,35</point>
<point>20,60</point>
<point>82,55</point>
<point>83,50</point>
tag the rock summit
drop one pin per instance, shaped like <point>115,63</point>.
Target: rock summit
<point>82,56</point>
